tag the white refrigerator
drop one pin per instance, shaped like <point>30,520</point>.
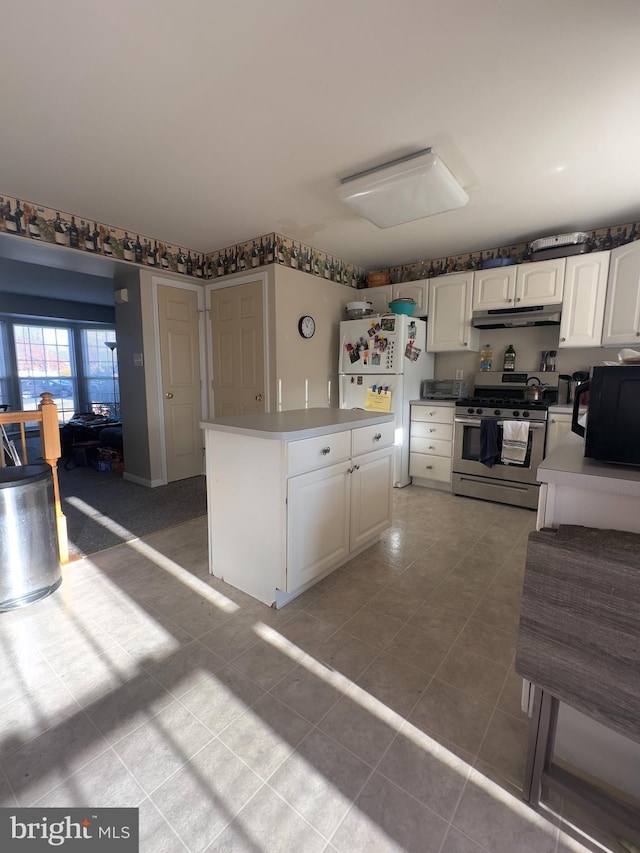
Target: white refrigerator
<point>382,355</point>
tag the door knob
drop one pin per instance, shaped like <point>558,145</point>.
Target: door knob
<point>169,395</point>
<point>259,398</point>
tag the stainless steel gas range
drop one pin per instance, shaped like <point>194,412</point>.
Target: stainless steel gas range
<point>500,397</point>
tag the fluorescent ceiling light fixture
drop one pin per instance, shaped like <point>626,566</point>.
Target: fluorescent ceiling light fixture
<point>409,188</point>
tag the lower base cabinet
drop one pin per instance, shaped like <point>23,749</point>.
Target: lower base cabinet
<point>431,444</point>
<point>284,514</point>
<point>334,512</point>
<point>558,425</point>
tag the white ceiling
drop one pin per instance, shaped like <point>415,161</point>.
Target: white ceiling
<point>209,122</point>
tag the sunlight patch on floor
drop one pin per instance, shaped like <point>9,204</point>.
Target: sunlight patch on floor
<point>167,565</point>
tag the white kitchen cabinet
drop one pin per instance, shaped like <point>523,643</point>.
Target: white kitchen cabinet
<point>520,285</point>
<point>539,283</point>
<point>558,425</point>
<point>585,290</point>
<point>431,444</point>
<point>295,495</point>
<point>494,288</point>
<point>335,511</point>
<point>622,308</point>
<point>416,290</point>
<point>379,297</point>
<point>318,531</point>
<point>450,306</point>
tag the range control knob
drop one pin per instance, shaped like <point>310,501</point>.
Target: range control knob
<point>516,414</point>
<point>478,411</point>
<point>525,414</point>
<point>496,412</point>
<point>470,411</point>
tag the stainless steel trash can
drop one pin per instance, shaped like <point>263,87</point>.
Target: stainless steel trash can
<point>29,565</point>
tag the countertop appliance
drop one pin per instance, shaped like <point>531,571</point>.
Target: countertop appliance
<point>500,397</point>
<point>443,389</point>
<point>385,354</point>
<point>613,414</point>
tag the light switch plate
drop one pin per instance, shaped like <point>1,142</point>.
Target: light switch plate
<point>138,360</point>
<point>459,374</point>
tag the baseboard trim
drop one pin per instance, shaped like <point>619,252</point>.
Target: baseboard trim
<point>142,481</point>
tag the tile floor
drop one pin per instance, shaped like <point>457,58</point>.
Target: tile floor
<point>378,712</point>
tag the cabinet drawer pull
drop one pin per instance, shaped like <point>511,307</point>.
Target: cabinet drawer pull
<point>432,430</point>
<point>325,451</point>
<point>429,467</point>
<point>377,436</point>
<point>431,447</point>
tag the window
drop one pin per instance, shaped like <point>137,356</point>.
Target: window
<point>101,370</point>
<point>73,363</point>
<point>44,362</point>
<point>4,394</point>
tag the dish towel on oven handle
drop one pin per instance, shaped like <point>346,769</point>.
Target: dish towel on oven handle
<point>489,452</point>
<point>515,439</point>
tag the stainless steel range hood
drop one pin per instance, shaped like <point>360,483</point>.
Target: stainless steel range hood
<point>510,318</point>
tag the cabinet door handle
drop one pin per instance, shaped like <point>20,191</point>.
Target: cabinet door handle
<point>563,339</point>
<point>517,299</point>
<point>325,451</point>
<point>431,447</point>
<point>433,429</point>
<point>169,395</point>
<point>377,436</point>
<point>356,467</point>
<point>637,334</point>
<point>429,467</point>
<point>465,344</point>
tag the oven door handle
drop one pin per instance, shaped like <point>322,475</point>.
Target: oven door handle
<point>475,422</point>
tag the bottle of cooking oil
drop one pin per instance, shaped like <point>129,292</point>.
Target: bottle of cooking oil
<point>486,356</point>
<point>509,358</point>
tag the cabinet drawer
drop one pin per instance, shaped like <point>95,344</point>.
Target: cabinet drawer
<point>434,446</point>
<point>442,414</point>
<point>311,453</point>
<point>430,467</point>
<point>443,432</point>
<point>370,438</point>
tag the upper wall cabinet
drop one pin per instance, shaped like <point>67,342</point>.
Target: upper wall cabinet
<point>519,286</point>
<point>379,297</point>
<point>585,290</point>
<point>494,288</point>
<point>622,309</point>
<point>417,290</point>
<point>450,306</point>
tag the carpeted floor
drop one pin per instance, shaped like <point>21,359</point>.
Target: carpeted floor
<point>103,509</point>
<point>131,510</point>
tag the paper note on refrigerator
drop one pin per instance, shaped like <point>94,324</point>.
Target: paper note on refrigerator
<point>378,401</point>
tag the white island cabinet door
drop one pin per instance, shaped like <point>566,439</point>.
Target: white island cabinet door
<point>371,496</point>
<point>317,523</point>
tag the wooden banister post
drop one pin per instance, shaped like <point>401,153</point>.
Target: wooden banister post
<point>50,441</point>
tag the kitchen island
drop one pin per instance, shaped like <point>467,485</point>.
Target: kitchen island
<point>291,496</point>
<point>579,491</point>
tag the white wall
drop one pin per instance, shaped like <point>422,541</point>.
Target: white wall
<point>528,343</point>
<point>304,368</point>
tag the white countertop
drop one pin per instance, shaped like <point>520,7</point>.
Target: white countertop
<point>568,466</point>
<point>297,423</point>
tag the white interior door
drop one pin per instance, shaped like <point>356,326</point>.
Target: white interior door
<point>178,324</point>
<point>237,343</point>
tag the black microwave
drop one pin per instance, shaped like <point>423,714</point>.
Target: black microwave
<point>613,414</point>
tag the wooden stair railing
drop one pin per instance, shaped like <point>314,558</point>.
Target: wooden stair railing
<point>47,417</point>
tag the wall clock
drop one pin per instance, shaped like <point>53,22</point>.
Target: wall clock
<point>306,326</point>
